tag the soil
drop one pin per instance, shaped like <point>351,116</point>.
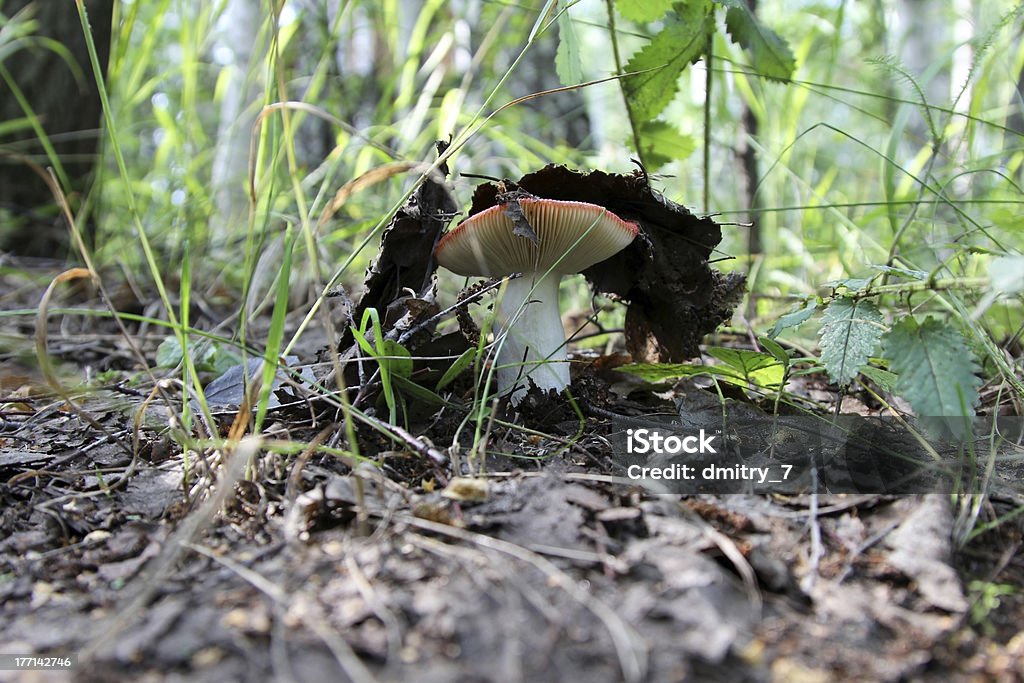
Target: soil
<point>249,563</point>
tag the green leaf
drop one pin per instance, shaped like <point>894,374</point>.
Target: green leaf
<point>456,368</point>
<point>905,272</point>
<point>794,318</point>
<point>418,392</point>
<point>849,335</point>
<point>1007,275</point>
<point>275,333</point>
<point>567,58</point>
<point>662,60</point>
<point>756,367</point>
<point>883,378</point>
<point>398,360</point>
<point>643,10</point>
<point>853,284</point>
<point>769,53</point>
<point>936,368</point>
<point>661,372</point>
<point>757,371</point>
<point>775,348</point>
<point>661,143</point>
<point>168,354</point>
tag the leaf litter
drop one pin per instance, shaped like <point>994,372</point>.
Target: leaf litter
<point>545,568</point>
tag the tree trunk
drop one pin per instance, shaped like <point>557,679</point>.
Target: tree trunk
<point>69,111</point>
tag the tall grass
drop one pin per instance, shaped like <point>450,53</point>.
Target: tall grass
<point>847,179</point>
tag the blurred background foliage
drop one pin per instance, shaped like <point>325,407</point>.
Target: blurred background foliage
<point>896,141</point>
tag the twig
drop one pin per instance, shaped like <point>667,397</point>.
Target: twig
<point>414,443</point>
<point>480,290</point>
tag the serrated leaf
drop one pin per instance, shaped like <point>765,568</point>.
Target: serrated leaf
<point>664,58</point>
<point>756,367</point>
<point>662,143</point>
<point>793,319</point>
<point>935,367</point>
<point>849,334</point>
<point>643,10</point>
<point>883,378</point>
<point>169,353</point>
<point>568,65</point>
<point>769,53</point>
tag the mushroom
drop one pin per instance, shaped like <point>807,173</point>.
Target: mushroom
<point>567,237</point>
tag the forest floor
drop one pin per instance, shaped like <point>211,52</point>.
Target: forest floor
<point>149,565</point>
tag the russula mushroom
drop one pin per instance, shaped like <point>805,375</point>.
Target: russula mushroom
<point>571,237</point>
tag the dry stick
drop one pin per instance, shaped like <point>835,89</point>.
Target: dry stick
<point>414,443</point>
<point>632,654</point>
<point>312,616</point>
<point>482,288</point>
<point>163,564</point>
<point>735,555</point>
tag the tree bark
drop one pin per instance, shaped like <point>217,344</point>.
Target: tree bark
<point>69,111</point>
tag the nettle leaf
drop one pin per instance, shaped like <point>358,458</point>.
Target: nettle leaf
<point>853,284</point>
<point>679,43</point>
<point>568,65</point>
<point>662,143</point>
<point>759,368</point>
<point>769,53</point>
<point>793,319</point>
<point>643,10</point>
<point>935,367</point>
<point>883,378</point>
<point>849,334</point>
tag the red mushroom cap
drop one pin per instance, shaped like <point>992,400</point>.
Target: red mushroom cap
<point>572,237</point>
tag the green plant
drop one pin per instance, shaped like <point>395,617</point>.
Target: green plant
<point>987,598</point>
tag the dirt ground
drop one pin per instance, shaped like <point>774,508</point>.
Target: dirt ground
<point>245,564</point>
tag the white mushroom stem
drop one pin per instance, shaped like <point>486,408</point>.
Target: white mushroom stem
<point>534,345</point>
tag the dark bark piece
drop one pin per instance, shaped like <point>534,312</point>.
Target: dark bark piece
<point>405,263</point>
<point>70,112</point>
<point>674,296</point>
<point>406,259</point>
